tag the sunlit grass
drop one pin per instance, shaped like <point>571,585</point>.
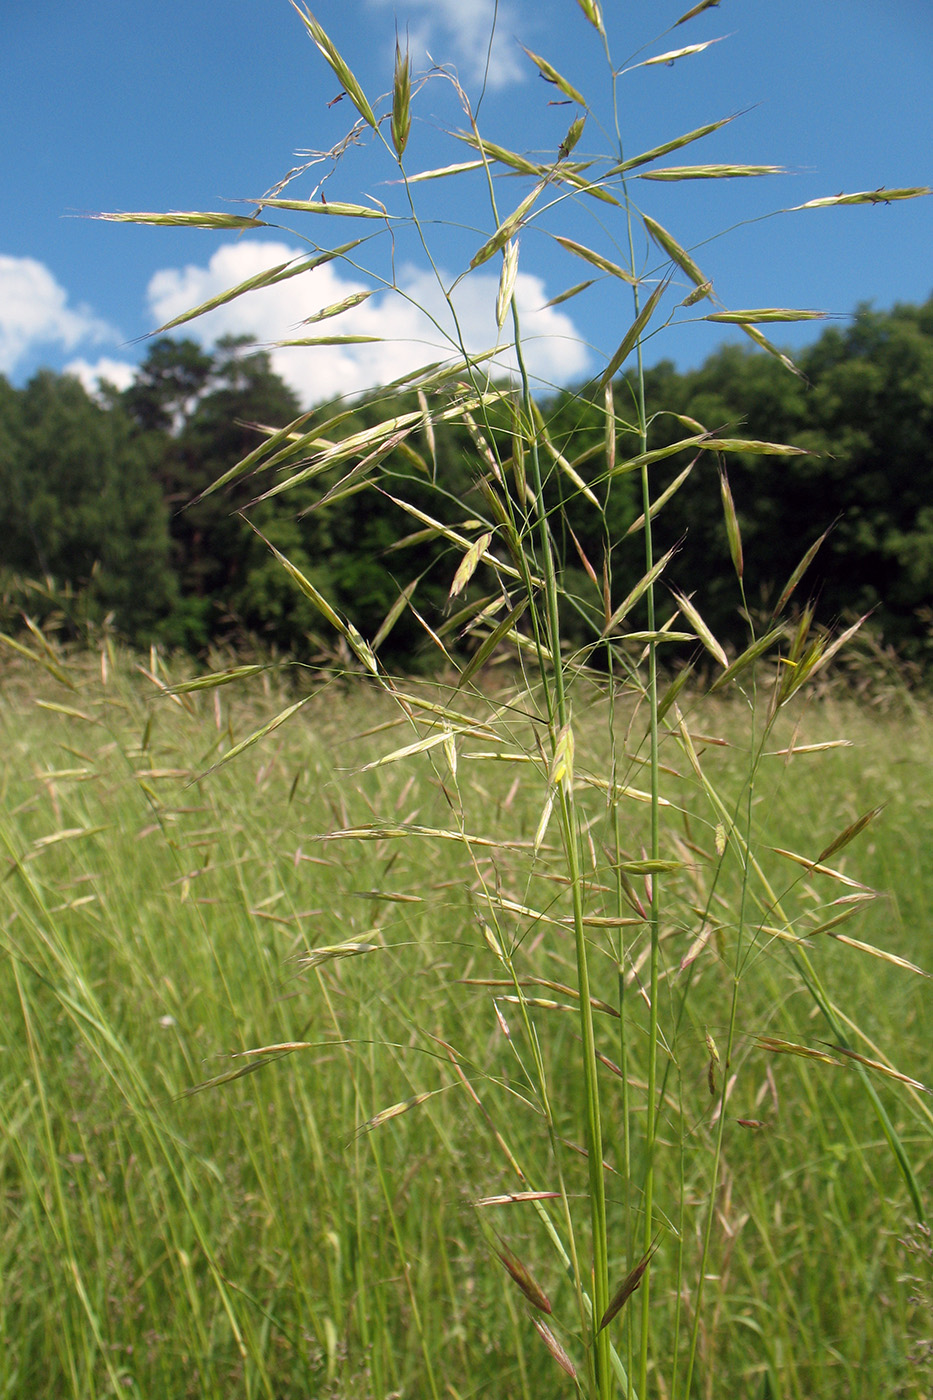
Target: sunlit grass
<point>255,1237</point>
<point>575,975</point>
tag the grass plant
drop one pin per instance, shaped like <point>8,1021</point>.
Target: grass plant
<point>280,1231</point>
<point>605,1066</point>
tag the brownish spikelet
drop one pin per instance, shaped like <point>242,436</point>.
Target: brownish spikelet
<point>588,567</point>
<point>788,1047</point>
<point>395,1110</point>
<point>713,1062</point>
<point>849,834</point>
<point>524,1278</point>
<point>882,1068</point>
<point>554,1347</point>
<point>515,1196</point>
<point>627,1287</point>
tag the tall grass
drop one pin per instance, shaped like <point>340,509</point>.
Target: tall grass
<point>276,1233</point>
<point>591,967</point>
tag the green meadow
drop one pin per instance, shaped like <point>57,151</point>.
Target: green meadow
<point>292,1112</point>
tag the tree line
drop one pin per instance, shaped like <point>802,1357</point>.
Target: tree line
<point>105,517</point>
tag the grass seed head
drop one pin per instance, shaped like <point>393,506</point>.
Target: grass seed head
<point>674,251</point>
<point>524,1278</point>
<point>593,13</point>
<point>507,281</point>
<point>554,1347</point>
<point>401,101</point>
<point>341,70</point>
<point>732,523</point>
<point>696,10</point>
<point>551,75</point>
<point>713,1062</point>
<point>627,1287</point>
<point>572,137</point>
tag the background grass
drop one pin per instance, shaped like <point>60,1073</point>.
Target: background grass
<point>250,1239</point>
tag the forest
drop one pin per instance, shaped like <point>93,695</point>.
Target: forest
<point>106,524</point>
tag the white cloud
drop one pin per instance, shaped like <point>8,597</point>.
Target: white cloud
<point>34,312</point>
<point>466,26</point>
<point>116,372</point>
<point>402,319</point>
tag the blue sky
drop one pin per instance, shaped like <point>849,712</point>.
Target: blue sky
<point>188,104</point>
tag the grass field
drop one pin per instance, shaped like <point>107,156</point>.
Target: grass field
<point>278,1233</point>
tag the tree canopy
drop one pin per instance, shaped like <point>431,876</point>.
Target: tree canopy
<point>105,498</point>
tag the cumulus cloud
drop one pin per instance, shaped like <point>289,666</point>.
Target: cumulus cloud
<point>401,319</point>
<point>105,370</point>
<point>34,313</point>
<point>459,30</point>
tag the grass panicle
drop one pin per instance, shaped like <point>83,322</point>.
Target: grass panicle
<point>558,935</point>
